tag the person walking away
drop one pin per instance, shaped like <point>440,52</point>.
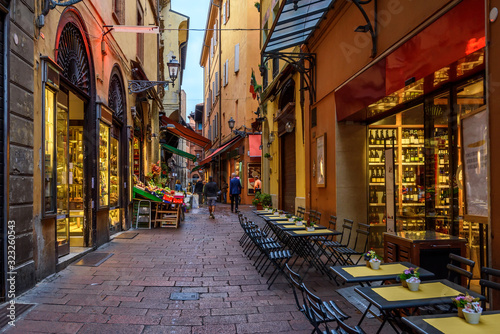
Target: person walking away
<point>178,186</point>
<point>211,192</point>
<point>257,186</point>
<point>224,191</point>
<point>198,189</point>
<point>234,191</point>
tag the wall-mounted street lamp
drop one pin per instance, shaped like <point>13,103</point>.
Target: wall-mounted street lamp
<point>232,123</point>
<point>139,86</point>
<point>289,126</point>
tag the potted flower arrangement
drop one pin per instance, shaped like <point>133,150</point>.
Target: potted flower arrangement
<point>289,216</point>
<point>461,300</point>
<point>413,283</point>
<point>407,274</point>
<point>309,226</point>
<point>257,201</point>
<point>372,255</point>
<point>282,214</point>
<point>298,221</point>
<point>472,312</point>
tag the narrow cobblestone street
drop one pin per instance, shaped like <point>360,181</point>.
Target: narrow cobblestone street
<point>129,292</point>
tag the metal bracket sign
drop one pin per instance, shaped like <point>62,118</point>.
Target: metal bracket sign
<point>139,86</point>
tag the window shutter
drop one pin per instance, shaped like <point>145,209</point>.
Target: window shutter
<point>224,13</point>
<point>237,57</point>
<point>216,83</point>
<point>227,72</point>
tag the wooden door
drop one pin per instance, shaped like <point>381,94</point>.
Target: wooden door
<point>287,179</point>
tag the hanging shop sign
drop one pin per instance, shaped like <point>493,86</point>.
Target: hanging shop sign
<point>475,159</point>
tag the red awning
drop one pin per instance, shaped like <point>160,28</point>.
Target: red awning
<point>185,133</point>
<point>254,142</point>
<point>220,150</point>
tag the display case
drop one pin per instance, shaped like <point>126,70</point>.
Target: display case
<point>114,175</point>
<point>137,157</point>
<point>103,165</point>
<point>62,160</point>
<point>114,221</point>
<point>76,168</point>
<point>50,154</point>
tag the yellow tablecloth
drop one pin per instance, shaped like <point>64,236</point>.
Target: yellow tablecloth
<point>427,290</point>
<point>323,231</point>
<point>489,323</point>
<point>264,211</point>
<point>385,269</point>
<point>293,225</point>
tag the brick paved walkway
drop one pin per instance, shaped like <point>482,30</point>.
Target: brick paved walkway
<point>129,293</point>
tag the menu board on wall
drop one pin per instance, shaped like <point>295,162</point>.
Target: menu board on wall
<point>389,189</point>
<point>475,159</point>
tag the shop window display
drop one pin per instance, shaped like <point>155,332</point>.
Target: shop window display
<point>114,175</point>
<point>103,165</point>
<point>428,176</point>
<point>49,156</point>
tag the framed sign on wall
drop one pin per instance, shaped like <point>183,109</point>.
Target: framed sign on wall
<point>321,161</point>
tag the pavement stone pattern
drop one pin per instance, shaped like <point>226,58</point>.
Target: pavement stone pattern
<point>129,293</point>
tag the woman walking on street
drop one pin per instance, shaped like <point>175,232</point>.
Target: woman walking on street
<point>211,192</point>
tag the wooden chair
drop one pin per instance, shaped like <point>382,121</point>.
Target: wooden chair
<point>487,284</point>
<point>455,271</point>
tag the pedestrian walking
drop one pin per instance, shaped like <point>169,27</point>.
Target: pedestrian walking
<point>211,192</point>
<point>178,185</point>
<point>198,189</point>
<point>234,191</point>
<point>257,186</point>
<point>224,191</point>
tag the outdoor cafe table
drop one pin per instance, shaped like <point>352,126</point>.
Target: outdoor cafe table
<point>388,298</point>
<point>452,324</point>
<point>388,271</point>
<point>303,242</point>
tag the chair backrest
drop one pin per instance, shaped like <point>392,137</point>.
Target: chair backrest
<point>346,231</point>
<point>312,215</point>
<point>301,211</point>
<point>487,284</point>
<point>362,236</point>
<point>318,217</point>
<point>332,222</point>
<point>296,283</point>
<point>455,270</point>
<point>314,307</point>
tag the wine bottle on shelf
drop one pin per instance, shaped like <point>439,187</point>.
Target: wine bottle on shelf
<point>415,137</point>
<point>382,157</point>
<point>371,139</point>
<point>377,157</point>
<point>382,177</point>
<point>377,138</point>
<point>415,195</point>
<point>372,175</point>
<point>407,155</point>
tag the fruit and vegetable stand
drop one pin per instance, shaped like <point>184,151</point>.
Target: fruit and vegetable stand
<point>166,206</point>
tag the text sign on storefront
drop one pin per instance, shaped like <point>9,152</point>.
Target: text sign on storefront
<point>389,189</point>
<point>475,148</point>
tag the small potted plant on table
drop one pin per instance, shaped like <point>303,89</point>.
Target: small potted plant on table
<point>298,221</point>
<point>372,259</point>
<point>472,312</point>
<point>309,226</point>
<point>289,216</point>
<point>407,274</point>
<point>461,300</point>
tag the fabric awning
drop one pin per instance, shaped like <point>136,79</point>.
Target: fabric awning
<point>185,133</point>
<point>220,150</point>
<point>294,25</point>
<point>179,152</point>
<point>254,143</point>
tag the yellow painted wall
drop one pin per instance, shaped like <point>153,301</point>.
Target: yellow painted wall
<point>235,98</point>
<point>171,40</point>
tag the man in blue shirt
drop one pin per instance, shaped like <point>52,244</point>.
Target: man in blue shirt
<point>234,191</point>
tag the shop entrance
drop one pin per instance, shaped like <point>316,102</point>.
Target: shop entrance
<point>70,175</point>
<point>288,182</point>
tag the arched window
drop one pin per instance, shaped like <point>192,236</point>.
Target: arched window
<point>116,96</point>
<point>72,57</point>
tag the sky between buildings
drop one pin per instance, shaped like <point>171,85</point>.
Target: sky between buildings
<point>193,75</point>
